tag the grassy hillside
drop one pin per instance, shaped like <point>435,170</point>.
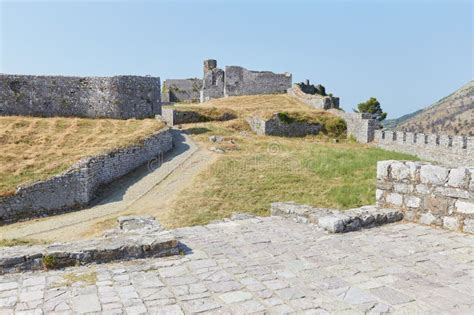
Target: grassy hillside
<point>453,115</point>
<point>256,170</point>
<point>37,148</point>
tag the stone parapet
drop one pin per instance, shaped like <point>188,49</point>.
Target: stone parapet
<point>427,193</point>
<point>449,150</point>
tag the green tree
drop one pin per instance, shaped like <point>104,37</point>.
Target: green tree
<point>372,106</point>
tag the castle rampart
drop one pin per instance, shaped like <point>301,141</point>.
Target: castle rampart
<point>119,97</point>
<point>240,81</point>
<point>448,150</point>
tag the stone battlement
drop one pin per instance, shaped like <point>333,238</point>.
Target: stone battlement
<point>449,150</point>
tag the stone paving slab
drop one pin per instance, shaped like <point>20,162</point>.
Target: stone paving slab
<point>266,266</point>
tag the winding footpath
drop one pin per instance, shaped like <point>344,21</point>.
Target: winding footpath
<point>148,190</point>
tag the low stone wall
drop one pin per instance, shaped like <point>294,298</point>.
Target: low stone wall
<point>360,126</point>
<point>274,126</point>
<point>240,81</point>
<point>173,116</point>
<point>137,237</point>
<point>181,90</point>
<point>313,100</point>
<point>428,194</point>
<point>336,221</point>
<point>119,97</point>
<point>448,150</point>
<point>76,187</point>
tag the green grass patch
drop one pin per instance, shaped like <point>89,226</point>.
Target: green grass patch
<point>263,170</point>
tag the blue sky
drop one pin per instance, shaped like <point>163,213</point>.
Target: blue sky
<point>407,54</point>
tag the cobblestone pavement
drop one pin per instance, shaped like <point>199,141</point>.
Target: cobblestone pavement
<point>269,265</point>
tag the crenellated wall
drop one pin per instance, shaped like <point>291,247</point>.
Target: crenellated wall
<point>444,149</point>
<point>428,194</point>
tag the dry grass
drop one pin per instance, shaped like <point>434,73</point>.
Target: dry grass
<point>19,242</point>
<point>247,105</point>
<point>38,148</point>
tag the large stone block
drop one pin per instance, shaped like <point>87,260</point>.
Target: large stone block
<point>400,171</point>
<point>451,223</point>
<point>428,218</point>
<point>459,177</point>
<point>383,168</point>
<point>433,175</point>
<point>394,199</point>
<point>464,207</point>
<point>468,226</point>
<point>412,201</point>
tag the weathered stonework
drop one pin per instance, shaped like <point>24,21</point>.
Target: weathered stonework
<point>274,126</point>
<point>120,97</point>
<point>431,194</point>
<point>448,150</point>
<point>336,221</point>
<point>361,126</point>
<point>173,116</point>
<point>181,90</point>
<point>314,100</point>
<point>240,81</point>
<point>76,187</point>
<point>213,81</point>
<point>137,237</point>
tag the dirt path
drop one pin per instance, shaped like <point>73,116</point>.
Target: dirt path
<point>144,191</point>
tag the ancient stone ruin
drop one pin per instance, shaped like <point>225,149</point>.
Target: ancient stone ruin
<point>279,124</point>
<point>428,194</point>
<point>217,83</point>
<point>119,97</point>
<point>313,95</point>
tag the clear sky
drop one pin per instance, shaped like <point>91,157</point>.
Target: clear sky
<point>408,54</point>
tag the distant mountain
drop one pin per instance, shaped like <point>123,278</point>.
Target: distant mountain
<point>453,115</point>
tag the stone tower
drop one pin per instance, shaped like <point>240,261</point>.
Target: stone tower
<point>213,82</point>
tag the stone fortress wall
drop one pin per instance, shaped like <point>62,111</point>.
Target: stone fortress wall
<point>240,81</point>
<point>217,83</point>
<point>313,95</point>
<point>77,186</point>
<point>119,97</point>
<point>181,90</point>
<point>444,149</point>
<point>428,194</point>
